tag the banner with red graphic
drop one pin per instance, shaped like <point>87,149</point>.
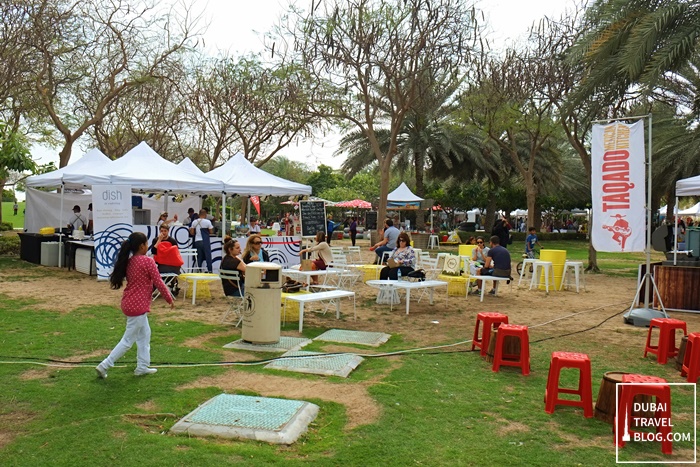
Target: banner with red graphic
<point>256,203</point>
<point>617,187</point>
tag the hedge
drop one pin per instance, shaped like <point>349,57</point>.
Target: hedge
<point>519,237</point>
<point>9,245</point>
<point>5,226</point>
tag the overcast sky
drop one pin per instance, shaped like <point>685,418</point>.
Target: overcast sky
<point>237,26</point>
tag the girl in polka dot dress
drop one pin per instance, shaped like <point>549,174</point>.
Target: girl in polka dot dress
<point>141,274</point>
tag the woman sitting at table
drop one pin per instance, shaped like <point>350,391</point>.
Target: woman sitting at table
<point>254,250</point>
<point>403,258</point>
<point>167,256</point>
<point>321,254</point>
<point>232,262</point>
<point>479,255</point>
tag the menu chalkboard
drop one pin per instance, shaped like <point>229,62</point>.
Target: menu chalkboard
<point>371,220</point>
<point>313,217</point>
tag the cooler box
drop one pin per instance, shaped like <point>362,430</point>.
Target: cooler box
<point>49,254</point>
<point>692,240</point>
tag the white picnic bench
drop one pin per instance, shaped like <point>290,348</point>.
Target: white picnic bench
<point>332,296</point>
<point>493,279</point>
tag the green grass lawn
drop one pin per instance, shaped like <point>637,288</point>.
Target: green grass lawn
<point>438,408</point>
<point>8,214</point>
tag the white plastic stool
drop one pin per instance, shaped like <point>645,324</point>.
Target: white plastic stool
<point>527,262</point>
<point>433,242</point>
<point>548,272</point>
<point>577,266</point>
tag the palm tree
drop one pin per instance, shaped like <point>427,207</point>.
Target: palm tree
<point>636,42</point>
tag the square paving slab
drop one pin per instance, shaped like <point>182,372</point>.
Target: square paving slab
<point>285,344</point>
<point>332,365</point>
<point>277,421</point>
<point>375,339</point>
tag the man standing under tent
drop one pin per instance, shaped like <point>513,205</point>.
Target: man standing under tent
<point>202,228</point>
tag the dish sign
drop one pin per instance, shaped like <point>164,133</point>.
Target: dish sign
<point>313,217</point>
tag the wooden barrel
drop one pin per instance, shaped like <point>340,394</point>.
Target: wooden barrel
<point>678,287</point>
<point>605,404</point>
<point>681,353</point>
<point>511,347</point>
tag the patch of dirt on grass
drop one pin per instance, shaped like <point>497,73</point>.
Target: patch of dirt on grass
<point>512,427</point>
<point>361,409</point>
<point>36,373</point>
<point>148,406</point>
<point>11,425</point>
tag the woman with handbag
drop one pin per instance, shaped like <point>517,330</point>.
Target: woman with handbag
<point>403,259</point>
<point>322,255</point>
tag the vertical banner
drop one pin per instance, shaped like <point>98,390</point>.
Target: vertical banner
<point>112,220</point>
<point>617,187</point>
<point>256,203</point>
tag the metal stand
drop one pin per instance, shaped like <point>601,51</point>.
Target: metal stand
<point>642,317</point>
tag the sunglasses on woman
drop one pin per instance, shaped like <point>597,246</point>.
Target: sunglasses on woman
<point>256,243</point>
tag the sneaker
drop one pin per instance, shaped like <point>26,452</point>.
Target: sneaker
<point>492,292</point>
<point>145,371</point>
<point>101,372</point>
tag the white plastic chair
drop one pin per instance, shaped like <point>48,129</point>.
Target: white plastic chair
<point>235,302</point>
<point>189,256</point>
<point>354,254</point>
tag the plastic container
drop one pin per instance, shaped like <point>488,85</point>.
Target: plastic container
<point>558,258</point>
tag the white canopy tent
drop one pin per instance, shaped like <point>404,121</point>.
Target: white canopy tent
<point>244,179</point>
<point>691,211</point>
<point>86,171</point>
<point>190,166</point>
<point>403,194</point>
<point>686,187</point>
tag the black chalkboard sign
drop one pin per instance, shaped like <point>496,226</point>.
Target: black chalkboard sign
<point>313,217</point>
<point>371,220</point>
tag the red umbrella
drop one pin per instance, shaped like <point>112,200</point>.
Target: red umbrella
<point>355,203</point>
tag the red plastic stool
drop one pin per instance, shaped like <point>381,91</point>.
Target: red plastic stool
<point>691,360</point>
<point>667,338</point>
<point>491,321</point>
<point>522,360</point>
<point>551,395</point>
<point>647,385</point>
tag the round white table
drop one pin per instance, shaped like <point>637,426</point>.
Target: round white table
<point>387,294</point>
<point>197,277</point>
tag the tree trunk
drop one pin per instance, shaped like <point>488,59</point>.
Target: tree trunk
<point>385,167</point>
<point>2,187</point>
<point>592,253</point>
<point>531,193</point>
<point>490,215</point>
<point>64,155</point>
<point>420,187</point>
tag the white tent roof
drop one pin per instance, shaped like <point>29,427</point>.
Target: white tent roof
<point>144,169</point>
<point>402,195</point>
<point>243,178</point>
<point>691,211</point>
<point>688,186</point>
<point>189,166</point>
<point>86,171</point>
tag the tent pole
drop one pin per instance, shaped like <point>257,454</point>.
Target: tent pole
<point>223,215</point>
<point>675,232</point>
<point>165,203</point>
<point>60,227</point>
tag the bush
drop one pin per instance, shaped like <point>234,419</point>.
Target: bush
<point>9,245</point>
<point>6,226</point>
<point>519,237</point>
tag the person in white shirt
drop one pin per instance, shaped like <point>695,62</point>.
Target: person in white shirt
<point>202,228</point>
<point>77,220</point>
<point>254,227</point>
